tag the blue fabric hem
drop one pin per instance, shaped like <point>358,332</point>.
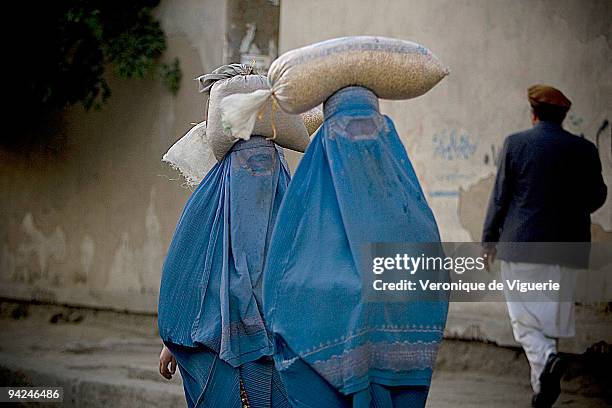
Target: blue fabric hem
<point>389,380</point>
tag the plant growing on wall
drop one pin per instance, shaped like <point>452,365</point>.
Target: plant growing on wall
<point>67,46</point>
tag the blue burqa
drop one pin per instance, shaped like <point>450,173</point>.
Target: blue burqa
<point>210,297</point>
<point>355,185</point>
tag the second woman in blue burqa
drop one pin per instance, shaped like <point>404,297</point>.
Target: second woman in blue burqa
<point>355,185</point>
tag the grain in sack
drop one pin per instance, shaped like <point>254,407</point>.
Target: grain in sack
<point>305,77</point>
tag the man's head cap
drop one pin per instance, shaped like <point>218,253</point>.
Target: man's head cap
<point>544,94</point>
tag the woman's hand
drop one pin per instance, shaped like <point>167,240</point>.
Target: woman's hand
<point>167,364</point>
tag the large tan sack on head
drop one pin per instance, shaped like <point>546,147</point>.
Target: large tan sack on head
<point>313,119</point>
<point>287,130</point>
<point>304,78</point>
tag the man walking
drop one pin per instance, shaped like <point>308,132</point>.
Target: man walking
<point>548,183</point>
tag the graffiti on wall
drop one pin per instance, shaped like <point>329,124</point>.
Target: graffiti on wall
<point>454,144</point>
<point>575,122</point>
<point>602,132</point>
<point>491,157</point>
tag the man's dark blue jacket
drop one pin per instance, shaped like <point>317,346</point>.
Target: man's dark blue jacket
<point>548,183</point>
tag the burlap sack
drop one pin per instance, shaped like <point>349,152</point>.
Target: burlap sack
<point>193,157</point>
<point>304,78</point>
<point>287,130</point>
<point>313,119</point>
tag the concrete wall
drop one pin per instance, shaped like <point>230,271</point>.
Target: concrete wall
<point>87,218</point>
<point>495,50</point>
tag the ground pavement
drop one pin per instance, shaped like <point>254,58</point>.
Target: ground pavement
<point>109,359</point>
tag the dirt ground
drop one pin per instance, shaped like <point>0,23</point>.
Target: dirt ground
<point>110,359</point>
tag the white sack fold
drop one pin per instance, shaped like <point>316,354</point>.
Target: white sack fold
<point>239,112</point>
<point>191,155</point>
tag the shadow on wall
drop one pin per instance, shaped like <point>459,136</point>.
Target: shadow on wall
<point>473,207</point>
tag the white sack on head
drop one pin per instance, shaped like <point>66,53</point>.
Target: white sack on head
<point>191,155</point>
<point>248,105</point>
<point>266,119</point>
<point>303,78</point>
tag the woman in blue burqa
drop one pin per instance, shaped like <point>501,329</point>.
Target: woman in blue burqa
<point>210,315</point>
<point>354,186</point>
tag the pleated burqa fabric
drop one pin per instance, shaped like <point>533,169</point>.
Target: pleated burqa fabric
<point>355,185</point>
<point>210,297</point>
